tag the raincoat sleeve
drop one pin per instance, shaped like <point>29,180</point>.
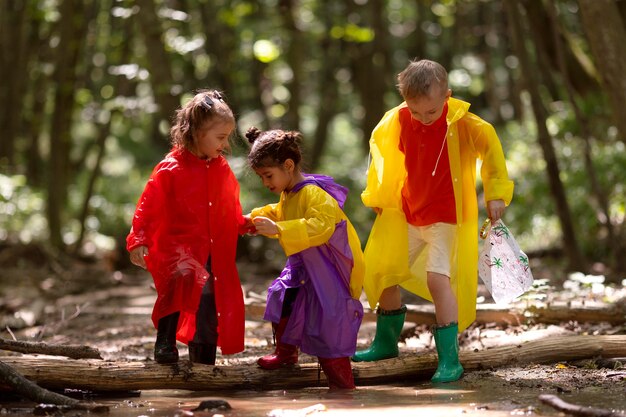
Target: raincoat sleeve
<point>493,171</point>
<point>315,227</point>
<point>385,175</point>
<point>148,213</point>
<point>270,211</point>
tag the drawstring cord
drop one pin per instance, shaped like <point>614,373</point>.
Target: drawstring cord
<point>441,150</point>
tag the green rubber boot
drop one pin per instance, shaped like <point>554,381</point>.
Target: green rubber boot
<point>385,344</point>
<point>447,342</point>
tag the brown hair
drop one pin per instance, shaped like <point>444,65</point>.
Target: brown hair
<point>273,147</point>
<point>419,77</point>
<point>207,106</point>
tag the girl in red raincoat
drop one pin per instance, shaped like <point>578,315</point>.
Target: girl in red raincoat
<point>184,232</point>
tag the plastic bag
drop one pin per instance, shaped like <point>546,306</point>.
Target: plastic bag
<point>502,265</point>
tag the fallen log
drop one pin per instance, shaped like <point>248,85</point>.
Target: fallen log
<point>578,410</point>
<point>98,375</point>
<point>492,313</point>
<point>71,351</point>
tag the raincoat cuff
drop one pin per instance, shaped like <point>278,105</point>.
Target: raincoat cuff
<point>499,189</point>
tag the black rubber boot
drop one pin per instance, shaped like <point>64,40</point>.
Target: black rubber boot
<point>202,353</point>
<point>165,350</point>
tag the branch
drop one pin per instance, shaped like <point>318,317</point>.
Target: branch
<point>578,410</point>
<point>71,351</point>
<point>35,393</point>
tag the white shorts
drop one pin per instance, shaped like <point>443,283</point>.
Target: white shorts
<point>438,240</point>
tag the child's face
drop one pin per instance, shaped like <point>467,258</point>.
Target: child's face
<point>277,178</point>
<point>427,109</point>
<point>210,141</point>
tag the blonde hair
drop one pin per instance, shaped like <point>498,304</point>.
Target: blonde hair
<point>419,77</point>
<point>207,106</point>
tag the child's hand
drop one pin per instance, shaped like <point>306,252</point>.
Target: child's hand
<point>248,226</point>
<point>495,210</point>
<point>137,256</point>
<point>265,226</point>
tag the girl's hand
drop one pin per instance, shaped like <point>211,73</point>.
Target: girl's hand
<point>248,226</point>
<point>495,210</point>
<point>137,256</point>
<point>265,226</point>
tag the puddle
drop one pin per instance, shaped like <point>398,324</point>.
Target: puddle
<point>460,398</point>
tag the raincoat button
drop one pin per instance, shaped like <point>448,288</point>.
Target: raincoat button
<point>456,179</point>
<point>210,204</point>
<point>302,282</point>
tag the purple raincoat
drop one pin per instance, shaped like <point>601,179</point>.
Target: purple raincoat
<point>325,319</point>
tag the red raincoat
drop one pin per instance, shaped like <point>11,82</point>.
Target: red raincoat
<point>190,210</point>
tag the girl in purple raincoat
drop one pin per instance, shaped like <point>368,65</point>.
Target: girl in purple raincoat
<point>314,304</point>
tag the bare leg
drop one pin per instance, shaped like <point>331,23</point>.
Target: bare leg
<point>390,299</point>
<point>446,307</point>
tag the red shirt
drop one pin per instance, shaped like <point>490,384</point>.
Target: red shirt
<point>427,194</point>
<point>190,210</point>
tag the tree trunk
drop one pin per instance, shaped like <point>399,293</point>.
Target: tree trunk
<point>327,87</point>
<point>607,38</point>
<point>575,257</point>
<point>13,36</point>
<point>161,77</point>
<point>72,37</point>
<point>295,60</point>
<point>371,70</point>
<point>97,375</point>
<point>596,189</point>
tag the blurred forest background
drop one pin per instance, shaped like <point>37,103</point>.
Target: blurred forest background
<point>88,88</point>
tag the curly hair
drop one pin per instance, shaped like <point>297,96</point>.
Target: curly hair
<point>273,147</point>
<point>207,106</point>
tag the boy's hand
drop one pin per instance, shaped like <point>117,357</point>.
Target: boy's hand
<point>495,210</point>
<point>265,226</point>
<point>137,256</point>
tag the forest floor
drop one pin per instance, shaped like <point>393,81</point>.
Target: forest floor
<point>62,301</point>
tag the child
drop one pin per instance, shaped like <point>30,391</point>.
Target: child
<point>185,233</point>
<point>314,303</point>
<point>422,184</point>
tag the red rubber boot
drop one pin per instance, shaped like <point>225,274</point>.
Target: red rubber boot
<point>284,354</point>
<point>339,372</point>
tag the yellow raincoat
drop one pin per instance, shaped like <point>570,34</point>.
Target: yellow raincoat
<point>386,253</point>
<point>308,218</point>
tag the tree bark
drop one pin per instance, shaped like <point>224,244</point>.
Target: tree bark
<point>607,38</point>
<point>576,261</point>
<point>100,375</point>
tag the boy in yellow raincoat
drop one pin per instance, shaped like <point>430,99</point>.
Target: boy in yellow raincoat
<point>422,184</point>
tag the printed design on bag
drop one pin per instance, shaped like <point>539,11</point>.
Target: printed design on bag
<point>501,230</point>
<point>523,260</point>
<point>497,262</point>
<point>503,266</point>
